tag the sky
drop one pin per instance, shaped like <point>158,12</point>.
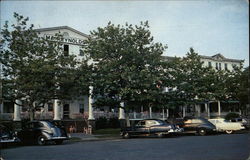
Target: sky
<point>209,26</point>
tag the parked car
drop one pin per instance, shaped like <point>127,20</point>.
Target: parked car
<point>242,121</point>
<point>200,126</point>
<point>7,135</point>
<point>223,125</point>
<point>40,132</point>
<point>149,127</point>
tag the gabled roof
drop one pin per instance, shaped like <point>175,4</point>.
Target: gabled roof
<point>216,57</point>
<point>62,27</point>
<point>221,57</point>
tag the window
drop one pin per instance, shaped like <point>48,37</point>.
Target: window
<point>81,52</point>
<point>216,65</point>
<point>219,66</point>
<point>66,50</point>
<point>50,107</point>
<point>226,66</point>
<point>81,108</point>
<point>209,64</point>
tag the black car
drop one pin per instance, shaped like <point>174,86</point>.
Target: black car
<point>200,126</point>
<point>7,135</point>
<point>149,127</point>
<point>40,132</point>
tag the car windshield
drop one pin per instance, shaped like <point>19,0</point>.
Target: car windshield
<point>50,125</point>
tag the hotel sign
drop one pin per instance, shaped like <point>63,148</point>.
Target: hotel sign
<point>70,40</point>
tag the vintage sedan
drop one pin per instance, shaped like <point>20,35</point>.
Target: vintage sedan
<point>40,132</point>
<point>7,135</point>
<point>200,126</point>
<point>223,125</point>
<point>150,127</point>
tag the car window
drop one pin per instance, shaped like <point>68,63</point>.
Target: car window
<point>188,121</point>
<point>38,125</point>
<point>141,123</point>
<point>29,126</point>
<point>196,121</point>
<point>151,123</point>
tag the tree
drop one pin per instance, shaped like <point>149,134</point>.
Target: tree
<point>35,70</point>
<point>127,64</point>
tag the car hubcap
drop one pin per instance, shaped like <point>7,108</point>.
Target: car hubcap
<point>229,131</point>
<point>41,141</point>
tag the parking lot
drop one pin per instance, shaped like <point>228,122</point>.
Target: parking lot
<point>212,147</point>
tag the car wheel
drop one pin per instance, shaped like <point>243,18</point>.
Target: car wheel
<point>58,142</point>
<point>202,132</point>
<point>41,140</point>
<point>126,135</point>
<point>229,131</point>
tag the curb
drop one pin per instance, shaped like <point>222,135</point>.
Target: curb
<point>94,139</point>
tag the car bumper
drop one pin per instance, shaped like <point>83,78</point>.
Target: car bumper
<point>58,138</point>
<point>9,140</point>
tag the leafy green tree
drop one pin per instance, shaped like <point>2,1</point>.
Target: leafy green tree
<point>127,65</point>
<point>35,70</point>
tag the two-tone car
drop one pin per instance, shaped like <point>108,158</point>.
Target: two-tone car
<point>223,125</point>
<point>197,125</point>
<point>41,132</point>
<point>149,127</point>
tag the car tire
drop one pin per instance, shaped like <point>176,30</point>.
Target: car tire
<point>126,135</point>
<point>229,131</point>
<point>58,142</point>
<point>202,132</point>
<point>41,140</point>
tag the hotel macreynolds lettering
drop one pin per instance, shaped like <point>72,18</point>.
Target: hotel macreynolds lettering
<point>65,40</point>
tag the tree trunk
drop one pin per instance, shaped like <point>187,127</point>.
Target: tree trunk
<point>32,114</point>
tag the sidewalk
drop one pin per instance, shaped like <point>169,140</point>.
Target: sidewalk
<point>91,137</point>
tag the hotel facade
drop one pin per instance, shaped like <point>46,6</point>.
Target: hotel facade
<point>81,108</point>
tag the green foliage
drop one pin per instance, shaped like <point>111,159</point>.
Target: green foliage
<point>127,64</point>
<point>232,115</point>
<point>35,70</point>
<point>103,122</point>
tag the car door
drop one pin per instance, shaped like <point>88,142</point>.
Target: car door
<point>27,133</point>
<point>141,128</point>
<point>189,125</point>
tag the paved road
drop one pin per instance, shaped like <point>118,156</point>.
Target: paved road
<point>215,147</point>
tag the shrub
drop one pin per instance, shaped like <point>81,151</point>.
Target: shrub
<point>232,116</point>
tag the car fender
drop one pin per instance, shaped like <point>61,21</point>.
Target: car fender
<point>47,135</point>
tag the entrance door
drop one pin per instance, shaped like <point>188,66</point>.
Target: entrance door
<point>66,111</point>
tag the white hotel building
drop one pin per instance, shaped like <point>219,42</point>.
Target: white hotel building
<point>82,108</point>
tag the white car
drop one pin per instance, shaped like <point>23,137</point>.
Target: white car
<point>223,125</point>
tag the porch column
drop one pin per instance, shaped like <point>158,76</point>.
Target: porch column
<point>141,108</point>
<point>57,110</point>
<point>183,111</point>
<point>208,110</point>
<point>219,109</point>
<point>197,110</point>
<point>163,114</point>
<point>1,108</point>
<point>150,112</point>
<point>134,115</point>
<point>17,111</point>
<point>91,115</point>
<point>121,111</point>
<point>167,113</point>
